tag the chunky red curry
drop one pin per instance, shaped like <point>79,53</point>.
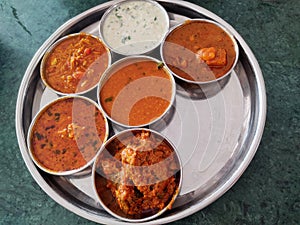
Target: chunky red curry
<point>141,172</point>
<point>75,64</point>
<point>199,51</point>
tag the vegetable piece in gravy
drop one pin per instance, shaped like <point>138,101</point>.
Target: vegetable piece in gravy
<point>75,64</point>
<point>137,93</point>
<point>199,51</point>
<point>141,173</point>
<point>67,134</point>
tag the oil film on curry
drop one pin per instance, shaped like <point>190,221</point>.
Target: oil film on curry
<point>131,69</point>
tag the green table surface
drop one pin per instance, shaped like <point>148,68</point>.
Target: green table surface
<point>269,190</point>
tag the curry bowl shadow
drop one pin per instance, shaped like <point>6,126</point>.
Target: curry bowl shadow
<point>200,91</point>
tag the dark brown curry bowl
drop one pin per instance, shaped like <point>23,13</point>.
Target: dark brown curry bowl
<point>134,27</point>
<point>136,91</point>
<point>66,134</point>
<point>199,51</point>
<point>137,175</point>
<point>74,64</point>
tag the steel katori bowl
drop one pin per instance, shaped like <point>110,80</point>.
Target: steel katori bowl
<point>134,27</point>
<point>137,175</point>
<point>136,91</point>
<point>74,64</point>
<point>66,134</point>
<point>199,52</point>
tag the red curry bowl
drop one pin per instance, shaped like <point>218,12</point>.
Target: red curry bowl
<point>66,134</point>
<point>74,64</point>
<point>199,51</point>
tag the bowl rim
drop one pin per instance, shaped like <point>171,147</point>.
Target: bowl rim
<point>126,60</point>
<point>179,183</point>
<point>39,114</point>
<point>194,20</point>
<point>117,4</point>
<point>54,45</point>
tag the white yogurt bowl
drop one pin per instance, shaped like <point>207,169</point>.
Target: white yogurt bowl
<point>134,27</point>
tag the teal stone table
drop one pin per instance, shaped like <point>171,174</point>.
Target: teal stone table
<point>269,190</point>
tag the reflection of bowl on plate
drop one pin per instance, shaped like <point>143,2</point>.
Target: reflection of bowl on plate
<point>200,91</point>
<point>74,64</point>
<point>136,91</point>
<point>199,51</point>
<point>134,26</point>
<point>137,175</point>
<point>66,134</point>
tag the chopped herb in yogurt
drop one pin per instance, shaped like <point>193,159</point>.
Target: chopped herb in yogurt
<point>126,38</point>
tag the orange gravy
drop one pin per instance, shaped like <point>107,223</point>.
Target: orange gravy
<point>137,93</point>
<point>199,51</point>
<point>67,134</point>
<point>76,64</point>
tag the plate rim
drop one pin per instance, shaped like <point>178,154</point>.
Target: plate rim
<point>219,191</point>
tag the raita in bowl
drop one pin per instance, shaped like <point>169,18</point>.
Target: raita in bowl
<point>134,26</point>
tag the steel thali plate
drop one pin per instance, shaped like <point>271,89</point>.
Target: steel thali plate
<point>216,131</point>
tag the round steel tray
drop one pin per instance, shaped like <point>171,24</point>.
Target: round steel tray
<point>217,131</point>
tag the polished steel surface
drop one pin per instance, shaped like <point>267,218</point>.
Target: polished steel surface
<point>216,129</point>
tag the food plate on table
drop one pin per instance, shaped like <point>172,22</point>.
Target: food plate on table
<point>216,127</point>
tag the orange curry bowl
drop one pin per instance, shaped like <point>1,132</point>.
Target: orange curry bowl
<point>136,91</point>
<point>137,175</point>
<point>199,51</point>
<point>74,64</point>
<point>65,135</point>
